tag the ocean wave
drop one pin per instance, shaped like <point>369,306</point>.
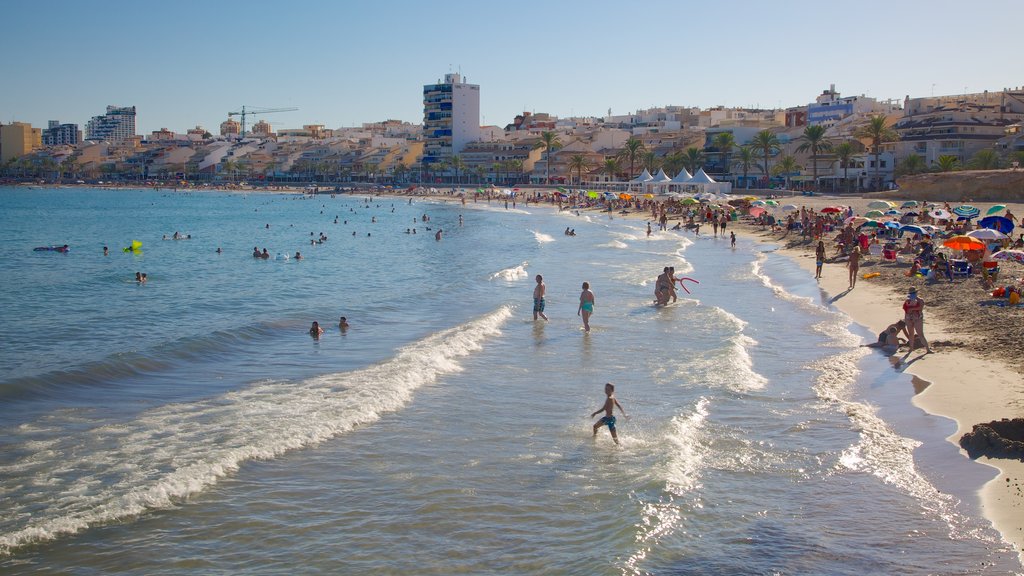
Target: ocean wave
<point>511,274</point>
<point>120,470</point>
<point>541,237</point>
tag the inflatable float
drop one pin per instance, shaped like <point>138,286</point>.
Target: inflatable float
<point>871,275</point>
<point>681,285</point>
<point>64,248</point>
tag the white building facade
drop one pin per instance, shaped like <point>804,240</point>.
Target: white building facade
<point>451,118</point>
<point>116,125</point>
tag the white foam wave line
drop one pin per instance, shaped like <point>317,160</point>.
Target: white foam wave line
<point>617,244</point>
<point>880,451</point>
<point>511,274</point>
<point>662,518</point>
<point>122,470</point>
<point>541,237</point>
<point>806,303</point>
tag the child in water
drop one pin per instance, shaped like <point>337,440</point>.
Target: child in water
<point>609,406</point>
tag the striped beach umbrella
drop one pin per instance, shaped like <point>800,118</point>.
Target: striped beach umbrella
<point>966,211</point>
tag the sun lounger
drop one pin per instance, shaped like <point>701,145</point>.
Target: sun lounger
<point>960,268</point>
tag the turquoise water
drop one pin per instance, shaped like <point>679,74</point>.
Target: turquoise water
<point>191,424</point>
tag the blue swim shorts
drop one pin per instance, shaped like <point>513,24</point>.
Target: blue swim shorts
<point>609,420</point>
<point>538,304</point>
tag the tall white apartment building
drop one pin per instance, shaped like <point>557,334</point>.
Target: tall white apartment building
<point>116,125</point>
<point>451,118</point>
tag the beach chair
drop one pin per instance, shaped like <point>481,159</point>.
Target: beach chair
<point>960,268</point>
<point>875,250</point>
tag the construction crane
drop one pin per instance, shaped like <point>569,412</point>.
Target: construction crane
<point>243,113</point>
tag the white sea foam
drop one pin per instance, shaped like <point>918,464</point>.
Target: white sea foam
<point>120,470</point>
<point>541,237</point>
<point>511,274</point>
<point>617,244</point>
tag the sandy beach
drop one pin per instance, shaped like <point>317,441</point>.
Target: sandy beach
<point>973,377</point>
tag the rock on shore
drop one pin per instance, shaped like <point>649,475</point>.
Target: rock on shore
<point>997,439</point>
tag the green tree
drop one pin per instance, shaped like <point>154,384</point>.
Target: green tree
<point>785,167</point>
<point>516,165</point>
<point>985,159</point>
<point>813,140</point>
<point>457,164</point>
<point>910,165</point>
<point>879,133</point>
<point>693,159</point>
<point>746,158</point>
<point>673,163</point>
<point>231,167</point>
<point>549,142</point>
<point>724,142</point>
<point>631,151</point>
<point>579,163</point>
<point>611,167</point>
<point>845,151</point>
<point>651,161</point>
<point>1017,157</point>
<point>767,143</point>
<point>947,163</point>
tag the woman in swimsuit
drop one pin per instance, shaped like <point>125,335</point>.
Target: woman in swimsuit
<point>586,305</point>
<point>913,315</point>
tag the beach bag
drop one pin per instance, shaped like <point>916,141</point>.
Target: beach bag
<point>1014,299</point>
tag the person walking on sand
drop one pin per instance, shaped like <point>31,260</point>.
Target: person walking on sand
<point>913,315</point>
<point>610,402</point>
<point>538,298</point>
<point>819,257</point>
<point>586,306</point>
<point>854,265</point>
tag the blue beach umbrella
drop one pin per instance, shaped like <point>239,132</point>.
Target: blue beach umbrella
<point>893,212</point>
<point>913,229</point>
<point>966,211</point>
<point>1000,223</point>
<point>892,225</point>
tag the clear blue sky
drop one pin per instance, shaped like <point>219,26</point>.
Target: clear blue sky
<point>188,62</point>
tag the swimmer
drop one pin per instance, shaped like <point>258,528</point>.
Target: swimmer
<point>138,277</point>
<point>265,255</point>
<point>610,402</point>
<point>586,305</point>
<point>437,236</point>
<point>255,252</point>
<point>538,298</point>
<point>316,331</point>
<point>732,238</point>
<point>106,251</point>
<point>219,250</point>
<point>298,255</point>
<point>343,324</point>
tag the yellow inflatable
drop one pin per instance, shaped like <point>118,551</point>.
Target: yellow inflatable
<point>871,275</point>
<point>134,247</point>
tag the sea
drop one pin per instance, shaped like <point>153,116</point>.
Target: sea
<point>192,424</point>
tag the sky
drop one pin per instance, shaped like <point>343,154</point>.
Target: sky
<point>346,62</point>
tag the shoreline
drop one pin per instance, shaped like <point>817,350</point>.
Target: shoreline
<point>994,393</point>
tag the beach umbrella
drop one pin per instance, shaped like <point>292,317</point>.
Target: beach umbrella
<point>772,203</point>
<point>757,211</point>
<point>913,229</point>
<point>687,201</point>
<point>870,224</point>
<point>995,209</point>
<point>987,234</point>
<point>892,225</point>
<point>880,205</point>
<point>758,203</point>
<point>966,211</point>
<point>964,243</point>
<point>856,220</point>
<point>893,212</point>
<point>592,194</point>
<point>1000,223</point>
<point>911,213</point>
<point>1014,255</point>
<point>940,214</point>
<point>874,214</point>
<point>625,196</point>
<point>909,204</point>
<point>790,208</point>
<point>750,198</point>
<point>831,210</point>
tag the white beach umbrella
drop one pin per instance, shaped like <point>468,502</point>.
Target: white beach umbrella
<point>987,234</point>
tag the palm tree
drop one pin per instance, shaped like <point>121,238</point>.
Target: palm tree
<point>746,158</point>
<point>912,164</point>
<point>516,165</point>
<point>496,168</point>
<point>985,159</point>
<point>724,142</point>
<point>845,151</point>
<point>766,142</point>
<point>693,159</point>
<point>814,140</point>
<point>457,163</point>
<point>579,163</point>
<point>673,163</point>
<point>549,142</point>
<point>632,150</point>
<point>947,163</point>
<point>878,132</point>
<point>650,161</point>
<point>611,167</point>
<point>786,166</point>
<point>230,166</point>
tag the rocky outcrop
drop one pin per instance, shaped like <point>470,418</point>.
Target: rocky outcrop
<point>962,186</point>
<point>997,439</point>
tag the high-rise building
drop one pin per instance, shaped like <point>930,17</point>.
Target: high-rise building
<point>116,125</point>
<point>230,127</point>
<point>451,118</point>
<point>18,139</point>
<point>58,134</point>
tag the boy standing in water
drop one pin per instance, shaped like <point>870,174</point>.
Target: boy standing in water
<point>538,298</point>
<point>609,406</point>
